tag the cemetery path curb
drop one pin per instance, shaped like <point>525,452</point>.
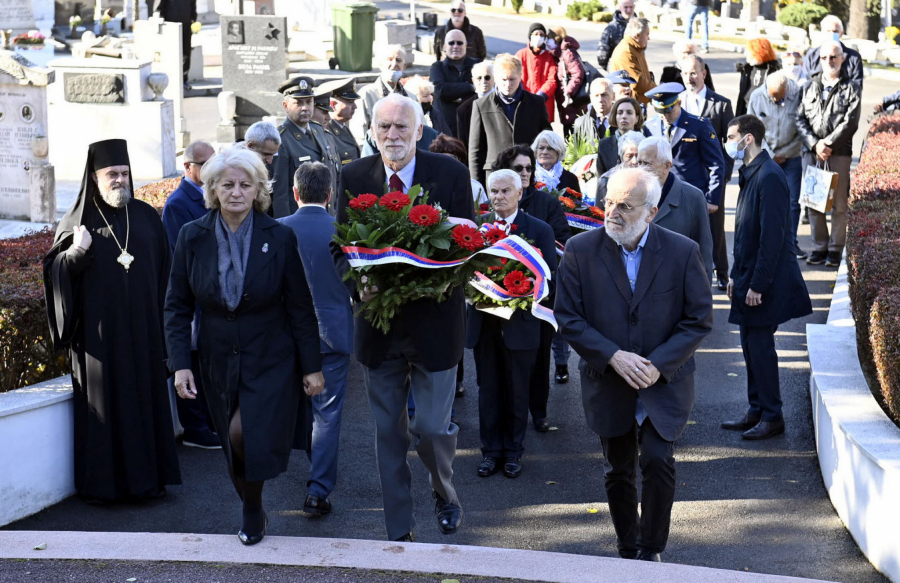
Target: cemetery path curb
<point>361,554</point>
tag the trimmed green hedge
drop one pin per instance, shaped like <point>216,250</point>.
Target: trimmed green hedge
<point>802,15</point>
<point>873,261</point>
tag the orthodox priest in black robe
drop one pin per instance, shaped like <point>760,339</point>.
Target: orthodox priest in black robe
<point>105,282</point>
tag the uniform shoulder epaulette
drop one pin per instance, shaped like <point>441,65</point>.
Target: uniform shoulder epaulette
<point>281,129</point>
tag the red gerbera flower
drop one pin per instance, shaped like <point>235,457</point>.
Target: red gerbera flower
<point>468,237</point>
<point>424,215</point>
<point>597,211</point>
<point>517,283</point>
<point>539,185</point>
<point>573,192</point>
<point>484,207</point>
<point>567,202</point>
<point>494,234</point>
<point>394,201</point>
<point>363,201</point>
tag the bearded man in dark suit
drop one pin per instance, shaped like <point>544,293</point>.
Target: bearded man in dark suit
<point>425,343</point>
<point>637,348</point>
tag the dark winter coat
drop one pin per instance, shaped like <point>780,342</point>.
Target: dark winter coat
<point>612,36</point>
<point>834,119</point>
<point>475,45</point>
<point>752,77</point>
<point>452,86</point>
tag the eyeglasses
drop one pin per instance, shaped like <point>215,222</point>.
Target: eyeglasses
<point>455,43</point>
<point>483,78</point>
<point>458,10</point>
<point>828,58</point>
<point>519,168</point>
<point>623,207</point>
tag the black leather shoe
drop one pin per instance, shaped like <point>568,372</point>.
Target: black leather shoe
<point>816,258</point>
<point>406,538</point>
<point>742,424</point>
<point>512,468</point>
<point>764,430</point>
<point>252,539</point>
<point>562,374</point>
<point>460,391</point>
<point>487,467</point>
<point>316,507</point>
<point>722,283</point>
<point>801,254</point>
<point>541,425</point>
<point>455,420</point>
<point>648,556</point>
<point>449,515</point>
<point>833,259</point>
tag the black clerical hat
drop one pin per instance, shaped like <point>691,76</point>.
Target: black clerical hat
<point>108,153</point>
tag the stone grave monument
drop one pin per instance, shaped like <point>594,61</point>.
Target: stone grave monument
<point>101,98</point>
<point>160,42</point>
<point>24,15</point>
<point>254,63</point>
<point>23,121</point>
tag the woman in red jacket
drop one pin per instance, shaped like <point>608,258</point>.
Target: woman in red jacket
<point>539,67</point>
<point>571,76</point>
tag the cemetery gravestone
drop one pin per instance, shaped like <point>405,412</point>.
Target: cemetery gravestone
<point>23,117</point>
<point>254,64</point>
<point>24,15</point>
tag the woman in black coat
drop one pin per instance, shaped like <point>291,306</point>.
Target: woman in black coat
<point>546,207</point>
<point>761,62</point>
<point>626,115</point>
<point>258,341</point>
<point>550,150</point>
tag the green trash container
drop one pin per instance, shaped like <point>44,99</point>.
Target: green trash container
<point>354,33</point>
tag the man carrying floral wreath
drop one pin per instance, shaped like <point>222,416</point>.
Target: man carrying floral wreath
<point>420,352</point>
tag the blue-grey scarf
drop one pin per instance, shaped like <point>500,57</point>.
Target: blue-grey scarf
<point>234,249</point>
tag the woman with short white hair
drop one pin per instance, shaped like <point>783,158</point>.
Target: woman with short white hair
<point>550,150</point>
<point>628,153</point>
<point>258,337</point>
<point>423,91</point>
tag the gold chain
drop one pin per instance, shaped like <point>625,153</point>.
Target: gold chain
<point>125,258</point>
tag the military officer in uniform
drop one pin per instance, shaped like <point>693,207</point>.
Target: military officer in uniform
<point>302,140</point>
<point>321,116</point>
<point>343,106</point>
<point>697,156</point>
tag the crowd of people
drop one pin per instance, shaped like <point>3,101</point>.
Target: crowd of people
<point>239,291</point>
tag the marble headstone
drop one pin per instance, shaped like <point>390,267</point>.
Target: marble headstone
<point>24,15</point>
<point>254,63</point>
<point>23,117</point>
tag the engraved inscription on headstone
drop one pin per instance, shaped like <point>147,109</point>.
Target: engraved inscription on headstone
<point>17,14</point>
<point>254,63</point>
<point>94,88</point>
<point>21,106</point>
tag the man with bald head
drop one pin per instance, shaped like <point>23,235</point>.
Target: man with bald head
<point>411,358</point>
<point>452,78</point>
<point>475,45</point>
<point>593,125</point>
<point>827,118</point>
<point>637,348</point>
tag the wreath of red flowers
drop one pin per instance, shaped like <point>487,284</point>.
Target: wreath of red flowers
<point>468,237</point>
<point>424,215</point>
<point>574,193</point>
<point>494,234</point>
<point>517,283</point>
<point>394,201</point>
<point>597,211</point>
<point>567,202</point>
<point>539,185</point>
<point>363,202</point>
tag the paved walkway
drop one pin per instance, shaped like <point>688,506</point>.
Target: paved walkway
<point>759,507</point>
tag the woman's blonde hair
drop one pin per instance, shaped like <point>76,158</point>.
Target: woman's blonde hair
<point>242,158</point>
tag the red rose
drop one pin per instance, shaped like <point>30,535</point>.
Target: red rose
<point>424,215</point>
<point>394,201</point>
<point>363,201</point>
<point>494,234</point>
<point>468,237</point>
<point>513,228</point>
<point>517,283</point>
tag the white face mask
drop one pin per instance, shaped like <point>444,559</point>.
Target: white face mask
<point>392,76</point>
<point>537,42</point>
<point>551,44</point>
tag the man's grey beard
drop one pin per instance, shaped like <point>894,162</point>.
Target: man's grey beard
<point>116,197</point>
<point>632,232</point>
<point>393,155</point>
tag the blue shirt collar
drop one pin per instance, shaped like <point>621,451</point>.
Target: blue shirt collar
<point>641,243</point>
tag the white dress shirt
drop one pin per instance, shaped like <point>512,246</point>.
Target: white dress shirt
<point>406,174</point>
<point>694,102</point>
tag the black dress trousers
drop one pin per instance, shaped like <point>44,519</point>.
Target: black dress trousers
<point>763,390</point>
<point>657,461</point>
<point>540,381</point>
<point>720,243</point>
<point>504,378</point>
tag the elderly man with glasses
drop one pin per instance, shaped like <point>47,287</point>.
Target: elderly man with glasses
<point>476,48</point>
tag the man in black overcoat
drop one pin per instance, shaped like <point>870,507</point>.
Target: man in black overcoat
<point>766,287</point>
<point>506,351</point>
<point>633,300</point>
<point>425,343</point>
<point>452,78</point>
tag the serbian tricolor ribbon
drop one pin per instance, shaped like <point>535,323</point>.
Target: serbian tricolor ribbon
<point>512,247</point>
<point>583,222</point>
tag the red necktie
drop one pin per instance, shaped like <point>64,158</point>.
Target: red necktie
<point>395,183</point>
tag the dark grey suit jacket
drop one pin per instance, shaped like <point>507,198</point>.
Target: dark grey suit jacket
<point>664,320</point>
<point>490,131</point>
<point>684,212</point>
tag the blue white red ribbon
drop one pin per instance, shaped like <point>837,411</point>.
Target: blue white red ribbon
<point>582,222</point>
<point>512,247</point>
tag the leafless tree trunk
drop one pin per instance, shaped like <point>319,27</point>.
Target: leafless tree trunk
<point>864,19</point>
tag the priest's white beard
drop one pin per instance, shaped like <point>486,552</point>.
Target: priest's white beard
<point>116,196</point>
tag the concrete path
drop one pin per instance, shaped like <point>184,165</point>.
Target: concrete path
<point>741,506</point>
